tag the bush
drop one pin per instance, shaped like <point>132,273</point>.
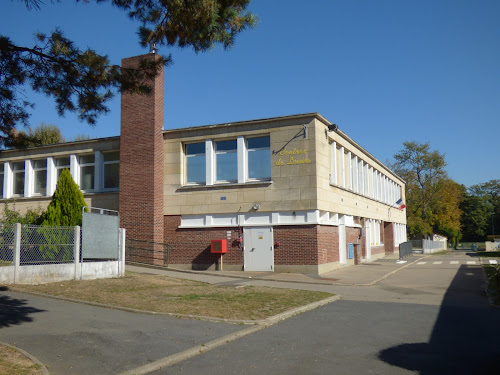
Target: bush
<point>12,216</point>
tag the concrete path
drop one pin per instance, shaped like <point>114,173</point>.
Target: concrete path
<point>385,305</point>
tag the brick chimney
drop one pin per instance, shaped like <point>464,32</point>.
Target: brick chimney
<point>141,160</point>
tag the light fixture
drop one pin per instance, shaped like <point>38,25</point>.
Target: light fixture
<point>256,206</point>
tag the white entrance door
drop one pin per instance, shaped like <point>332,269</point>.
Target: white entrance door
<point>258,249</point>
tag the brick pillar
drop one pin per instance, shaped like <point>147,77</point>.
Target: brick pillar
<point>141,160</point>
<point>389,237</point>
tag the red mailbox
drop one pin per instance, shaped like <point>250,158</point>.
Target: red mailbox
<point>218,246</point>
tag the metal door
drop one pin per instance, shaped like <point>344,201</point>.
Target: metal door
<point>258,249</point>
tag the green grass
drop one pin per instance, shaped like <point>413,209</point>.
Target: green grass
<point>493,275</point>
<point>489,254</point>
<point>5,263</point>
<point>444,252</point>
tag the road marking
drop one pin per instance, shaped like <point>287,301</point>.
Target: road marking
<point>493,261</point>
<point>422,263</point>
<point>454,262</point>
<point>401,261</point>
<point>437,262</point>
<point>471,262</point>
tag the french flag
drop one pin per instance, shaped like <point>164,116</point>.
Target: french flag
<point>400,204</point>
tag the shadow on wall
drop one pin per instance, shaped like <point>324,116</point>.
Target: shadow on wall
<point>206,259</point>
<point>14,311</point>
<point>465,338</point>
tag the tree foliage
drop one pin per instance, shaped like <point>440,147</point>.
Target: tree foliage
<point>43,134</point>
<point>432,199</point>
<point>83,81</point>
<point>65,208</point>
<point>13,216</point>
<point>481,210</point>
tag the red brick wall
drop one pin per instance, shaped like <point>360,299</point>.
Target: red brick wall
<point>298,245</point>
<point>328,244</point>
<point>389,237</point>
<point>192,246</point>
<point>141,160</point>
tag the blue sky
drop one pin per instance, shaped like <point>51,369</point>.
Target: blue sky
<point>385,71</point>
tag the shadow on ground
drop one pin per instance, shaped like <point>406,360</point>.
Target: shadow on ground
<point>465,338</point>
<point>14,311</point>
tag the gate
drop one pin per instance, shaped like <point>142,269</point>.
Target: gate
<point>148,252</point>
<point>405,250</point>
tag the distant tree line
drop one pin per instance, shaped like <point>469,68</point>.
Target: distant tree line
<point>437,204</point>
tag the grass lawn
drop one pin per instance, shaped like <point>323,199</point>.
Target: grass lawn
<point>493,274</point>
<point>171,295</point>
<point>4,263</point>
<point>13,362</point>
<point>489,254</point>
<point>443,252</point>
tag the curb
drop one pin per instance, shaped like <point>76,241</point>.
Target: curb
<point>31,357</point>
<point>203,348</point>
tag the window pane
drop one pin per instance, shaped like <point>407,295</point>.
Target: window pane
<point>196,172</point>
<point>195,148</point>
<point>87,177</point>
<point>226,145</point>
<point>261,142</point>
<point>19,183</point>
<point>259,163</point>
<point>40,164</point>
<point>62,162</point>
<point>111,156</point>
<point>41,182</point>
<point>19,166</point>
<point>227,167</point>
<point>111,175</point>
<point>87,159</point>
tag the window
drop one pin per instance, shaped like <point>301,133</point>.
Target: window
<point>1,180</point>
<point>195,163</point>
<point>40,175</point>
<point>18,176</point>
<point>226,161</point>
<point>259,158</point>
<point>87,172</point>
<point>61,164</point>
<point>111,169</point>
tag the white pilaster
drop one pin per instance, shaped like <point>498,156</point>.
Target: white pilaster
<point>242,159</point>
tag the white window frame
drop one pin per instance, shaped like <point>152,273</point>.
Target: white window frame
<point>34,177</point>
<point>83,165</point>
<point>103,172</point>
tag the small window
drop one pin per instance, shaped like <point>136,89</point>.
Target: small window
<point>226,161</point>
<point>111,169</point>
<point>87,172</point>
<point>18,174</point>
<point>259,158</point>
<point>61,164</point>
<point>40,174</point>
<point>195,163</point>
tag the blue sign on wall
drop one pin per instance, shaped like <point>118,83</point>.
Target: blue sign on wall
<point>350,250</point>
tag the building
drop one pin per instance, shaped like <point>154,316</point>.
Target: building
<point>286,194</point>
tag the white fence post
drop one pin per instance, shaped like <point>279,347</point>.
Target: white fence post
<point>121,260</point>
<point>17,251</point>
<point>76,250</point>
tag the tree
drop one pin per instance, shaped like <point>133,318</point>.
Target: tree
<point>484,200</point>
<point>83,81</point>
<point>12,216</point>
<point>65,208</point>
<point>475,219</point>
<point>43,134</point>
<point>432,199</point>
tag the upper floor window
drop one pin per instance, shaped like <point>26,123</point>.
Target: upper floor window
<point>195,163</point>
<point>259,158</point>
<point>18,177</point>
<point>226,161</point>
<point>40,175</point>
<point>111,169</point>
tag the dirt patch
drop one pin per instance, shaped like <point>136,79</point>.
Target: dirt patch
<point>13,362</point>
<point>171,295</point>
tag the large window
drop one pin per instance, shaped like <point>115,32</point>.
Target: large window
<point>61,164</point>
<point>226,161</point>
<point>18,176</point>
<point>111,169</point>
<point>87,172</point>
<point>195,163</point>
<point>40,175</point>
<point>259,158</point>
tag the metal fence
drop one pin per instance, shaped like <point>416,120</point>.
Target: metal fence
<point>148,252</point>
<point>405,249</point>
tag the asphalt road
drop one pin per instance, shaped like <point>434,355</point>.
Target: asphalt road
<point>428,318</point>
